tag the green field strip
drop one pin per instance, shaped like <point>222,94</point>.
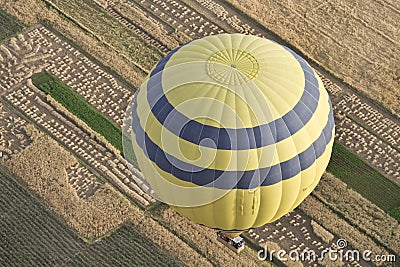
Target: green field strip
<point>78,106</point>
<point>9,26</point>
<point>364,179</point>
<point>395,213</point>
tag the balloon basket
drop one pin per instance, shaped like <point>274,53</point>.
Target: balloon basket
<point>235,244</point>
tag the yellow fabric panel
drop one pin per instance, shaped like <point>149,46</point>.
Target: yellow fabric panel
<point>280,90</point>
<point>219,214</point>
<point>212,105</point>
<point>270,201</point>
<point>247,206</point>
<point>239,209</point>
<point>282,93</point>
<point>180,85</point>
<point>290,189</point>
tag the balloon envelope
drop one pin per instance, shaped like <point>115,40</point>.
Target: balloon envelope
<point>233,131</point>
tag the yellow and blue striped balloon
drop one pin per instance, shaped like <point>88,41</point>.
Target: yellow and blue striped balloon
<point>233,131</point>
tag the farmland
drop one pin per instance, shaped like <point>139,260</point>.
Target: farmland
<point>359,212</point>
<point>79,107</point>
<point>87,145</point>
<point>363,178</point>
<point>102,50</point>
<point>92,218</point>
<point>110,29</point>
<point>48,241</point>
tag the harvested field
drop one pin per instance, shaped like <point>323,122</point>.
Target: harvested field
<point>352,40</point>
<point>220,15</point>
<point>83,181</point>
<point>31,12</point>
<point>47,241</point>
<point>366,115</point>
<point>356,239</point>
<point>127,19</point>
<point>380,154</point>
<point>71,132</point>
<point>162,31</point>
<point>43,165</point>
<point>296,231</point>
<point>39,49</point>
<point>181,17</point>
<point>125,40</point>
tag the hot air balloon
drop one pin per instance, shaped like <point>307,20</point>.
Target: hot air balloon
<point>232,131</point>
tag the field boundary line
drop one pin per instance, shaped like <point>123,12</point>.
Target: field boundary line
<point>151,14</point>
<point>385,3</point>
<point>158,43</point>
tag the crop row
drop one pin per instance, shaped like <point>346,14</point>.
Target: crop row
<point>371,118</point>
<point>366,145</point>
<point>39,49</point>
